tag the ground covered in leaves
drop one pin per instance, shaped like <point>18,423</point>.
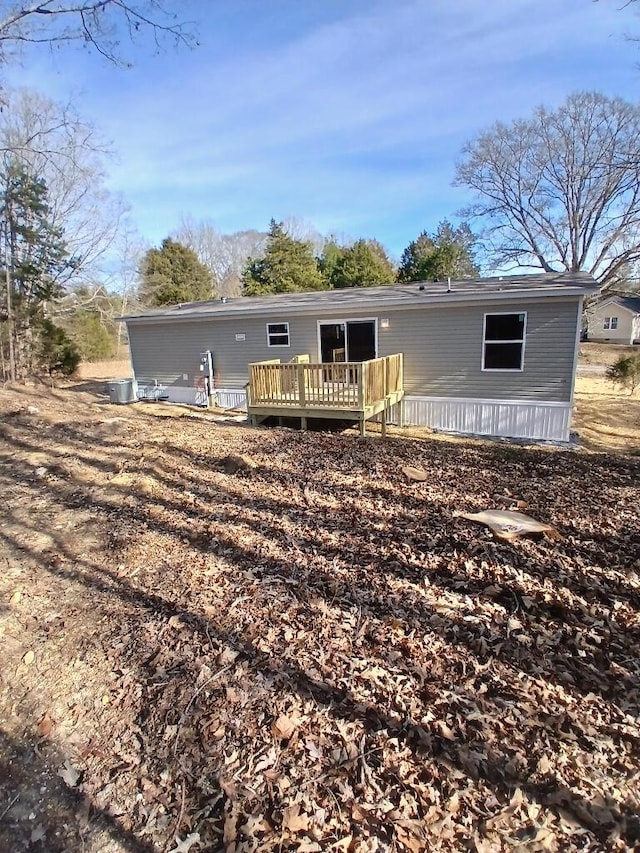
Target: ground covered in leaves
<point>300,649</point>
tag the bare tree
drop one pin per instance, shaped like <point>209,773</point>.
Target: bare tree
<point>99,24</point>
<point>561,190</point>
<point>302,229</point>
<point>224,254</point>
<point>51,141</point>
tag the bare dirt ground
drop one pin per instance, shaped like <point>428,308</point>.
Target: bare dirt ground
<point>605,417</point>
<point>603,354</point>
<point>304,650</point>
<point>119,368</point>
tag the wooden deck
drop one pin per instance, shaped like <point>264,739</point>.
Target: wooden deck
<point>344,390</point>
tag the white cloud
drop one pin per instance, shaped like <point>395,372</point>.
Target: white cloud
<point>352,122</point>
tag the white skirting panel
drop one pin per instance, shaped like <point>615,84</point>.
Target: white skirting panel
<point>173,394</point>
<point>230,398</point>
<point>507,418</point>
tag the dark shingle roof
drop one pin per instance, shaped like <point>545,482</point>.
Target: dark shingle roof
<point>413,293</point>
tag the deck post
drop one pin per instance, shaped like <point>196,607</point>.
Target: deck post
<point>302,395</point>
<point>384,422</point>
<point>401,413</point>
<point>303,423</point>
<point>363,425</point>
<point>362,373</point>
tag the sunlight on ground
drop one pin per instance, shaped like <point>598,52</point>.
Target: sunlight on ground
<point>605,417</point>
<point>114,369</point>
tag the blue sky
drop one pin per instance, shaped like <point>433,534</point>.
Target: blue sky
<point>345,113</point>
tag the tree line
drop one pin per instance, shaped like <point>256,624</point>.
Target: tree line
<point>175,272</point>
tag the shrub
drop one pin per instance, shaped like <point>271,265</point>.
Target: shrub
<point>625,372</point>
<point>58,353</point>
<point>94,340</point>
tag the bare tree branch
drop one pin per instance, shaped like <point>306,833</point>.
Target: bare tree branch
<point>98,24</point>
<point>561,191</point>
<point>225,255</point>
<point>54,144</point>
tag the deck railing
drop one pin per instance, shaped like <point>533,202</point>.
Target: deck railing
<point>341,385</point>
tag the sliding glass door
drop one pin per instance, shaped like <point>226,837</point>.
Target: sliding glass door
<point>347,340</point>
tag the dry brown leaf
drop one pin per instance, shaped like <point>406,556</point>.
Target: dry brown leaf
<point>230,831</point>
<point>544,765</point>
<point>444,730</point>
<point>306,845</point>
<point>38,833</point>
<point>28,658</point>
<point>342,843</point>
<point>294,820</point>
<point>409,834</point>
<point>69,773</point>
<point>186,845</point>
<point>45,725</point>
<point>283,728</point>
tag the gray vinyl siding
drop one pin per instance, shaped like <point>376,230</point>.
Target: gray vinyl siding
<point>443,352</point>
<point>442,346</point>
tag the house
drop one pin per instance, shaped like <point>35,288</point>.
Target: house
<point>493,356</point>
<point>615,319</point>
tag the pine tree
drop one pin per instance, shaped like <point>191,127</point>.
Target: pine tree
<point>288,266</point>
<point>364,264</point>
<point>173,274</point>
<point>448,253</point>
<point>34,257</point>
<point>329,259</point>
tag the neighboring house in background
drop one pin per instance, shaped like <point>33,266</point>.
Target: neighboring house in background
<point>492,356</point>
<point>615,319</point>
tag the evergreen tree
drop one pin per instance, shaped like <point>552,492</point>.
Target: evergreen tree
<point>448,253</point>
<point>57,353</point>
<point>173,274</point>
<point>329,259</point>
<point>288,266</point>
<point>93,335</point>
<point>364,264</point>
<point>34,259</point>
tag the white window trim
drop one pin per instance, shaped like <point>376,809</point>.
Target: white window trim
<point>288,334</point>
<point>522,341</point>
<point>344,321</point>
<point>606,326</point>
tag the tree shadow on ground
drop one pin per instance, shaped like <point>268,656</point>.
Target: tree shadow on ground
<point>39,812</point>
<point>545,612</point>
<point>464,749</point>
<point>364,592</point>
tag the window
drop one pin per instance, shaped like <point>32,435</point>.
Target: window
<point>278,334</point>
<point>503,341</point>
<point>610,322</point>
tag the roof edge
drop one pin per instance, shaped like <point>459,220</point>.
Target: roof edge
<point>399,303</point>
